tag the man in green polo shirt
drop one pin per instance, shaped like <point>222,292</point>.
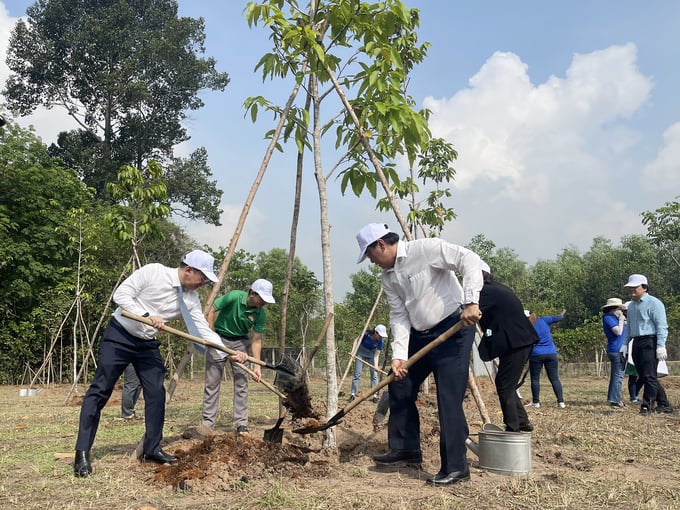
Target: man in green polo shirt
<point>233,316</point>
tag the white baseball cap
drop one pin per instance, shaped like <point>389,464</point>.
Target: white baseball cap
<point>368,235</point>
<point>264,289</point>
<point>636,279</point>
<point>381,330</point>
<point>204,262</point>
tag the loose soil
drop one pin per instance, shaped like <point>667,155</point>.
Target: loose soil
<point>585,456</point>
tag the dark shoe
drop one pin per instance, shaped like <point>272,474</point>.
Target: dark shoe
<point>160,457</point>
<point>667,409</point>
<point>450,478</point>
<point>242,429</point>
<point>399,458</point>
<point>351,397</point>
<point>528,427</point>
<point>375,398</point>
<point>81,465</point>
<point>644,410</point>
<point>133,416</point>
<point>619,405</point>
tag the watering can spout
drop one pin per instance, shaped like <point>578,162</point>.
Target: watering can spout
<point>474,447</point>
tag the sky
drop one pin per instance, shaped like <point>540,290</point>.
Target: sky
<point>565,116</point>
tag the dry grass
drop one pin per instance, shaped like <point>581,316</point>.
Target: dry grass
<point>584,456</point>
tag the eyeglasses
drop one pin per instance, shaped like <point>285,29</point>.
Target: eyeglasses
<point>204,279</point>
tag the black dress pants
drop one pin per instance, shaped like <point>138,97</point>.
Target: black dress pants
<point>113,358</point>
<point>449,362</point>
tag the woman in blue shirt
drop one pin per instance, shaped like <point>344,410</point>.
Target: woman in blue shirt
<point>613,324</point>
<point>544,354</point>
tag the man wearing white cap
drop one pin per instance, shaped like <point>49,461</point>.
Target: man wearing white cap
<point>371,344</point>
<point>648,328</point>
<point>152,291</point>
<point>233,316</point>
<point>426,299</point>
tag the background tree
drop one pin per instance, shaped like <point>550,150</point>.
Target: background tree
<point>351,47</point>
<point>126,71</point>
<point>37,267</point>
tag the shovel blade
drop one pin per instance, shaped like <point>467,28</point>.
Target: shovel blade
<point>275,434</point>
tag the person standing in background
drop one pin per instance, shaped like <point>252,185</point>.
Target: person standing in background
<point>648,328</point>
<point>371,344</point>
<point>613,324</point>
<point>544,354</point>
<point>634,382</point>
<point>130,394</point>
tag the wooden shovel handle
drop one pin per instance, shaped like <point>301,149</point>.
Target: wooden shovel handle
<point>407,364</point>
<point>199,340</point>
<point>193,338</point>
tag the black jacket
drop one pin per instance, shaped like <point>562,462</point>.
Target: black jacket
<point>503,322</point>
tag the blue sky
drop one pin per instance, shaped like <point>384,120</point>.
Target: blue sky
<point>566,117</point>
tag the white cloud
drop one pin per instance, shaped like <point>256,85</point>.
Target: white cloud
<point>666,167</point>
<point>546,158</point>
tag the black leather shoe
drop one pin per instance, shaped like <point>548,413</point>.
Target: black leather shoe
<point>160,457</point>
<point>528,427</point>
<point>399,458</point>
<point>450,478</point>
<point>81,465</point>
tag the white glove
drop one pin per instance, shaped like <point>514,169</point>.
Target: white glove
<point>661,353</point>
<point>624,350</point>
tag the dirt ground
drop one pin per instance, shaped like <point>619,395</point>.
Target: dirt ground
<point>585,456</point>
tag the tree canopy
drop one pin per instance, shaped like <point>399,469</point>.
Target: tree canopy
<point>127,72</point>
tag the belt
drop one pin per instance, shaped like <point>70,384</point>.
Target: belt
<point>455,314</point>
<point>226,337</point>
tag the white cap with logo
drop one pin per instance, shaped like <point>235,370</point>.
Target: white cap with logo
<point>368,235</point>
<point>204,262</point>
<point>264,289</point>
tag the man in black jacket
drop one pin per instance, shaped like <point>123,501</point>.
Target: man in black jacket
<point>508,336</point>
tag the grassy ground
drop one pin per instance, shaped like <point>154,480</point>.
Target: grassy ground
<point>584,456</point>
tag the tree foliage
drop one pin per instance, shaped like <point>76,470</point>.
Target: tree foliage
<point>127,72</point>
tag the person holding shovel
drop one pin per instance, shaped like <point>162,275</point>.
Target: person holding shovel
<point>233,316</point>
<point>153,291</point>
<point>371,344</point>
<point>426,299</point>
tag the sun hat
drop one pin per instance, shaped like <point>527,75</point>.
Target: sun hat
<point>613,302</point>
<point>636,279</point>
<point>264,289</point>
<point>204,262</point>
<point>368,235</point>
<point>381,330</point>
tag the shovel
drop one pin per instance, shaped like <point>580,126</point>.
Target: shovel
<point>337,418</point>
<point>290,373</point>
<point>275,434</point>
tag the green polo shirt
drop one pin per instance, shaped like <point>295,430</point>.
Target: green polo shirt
<point>234,318</point>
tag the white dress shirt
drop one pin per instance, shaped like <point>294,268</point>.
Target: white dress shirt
<point>152,289</point>
<point>422,288</point>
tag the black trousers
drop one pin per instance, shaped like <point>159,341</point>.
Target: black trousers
<point>449,362</point>
<point>510,367</point>
<point>113,358</point>
<point>644,358</point>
